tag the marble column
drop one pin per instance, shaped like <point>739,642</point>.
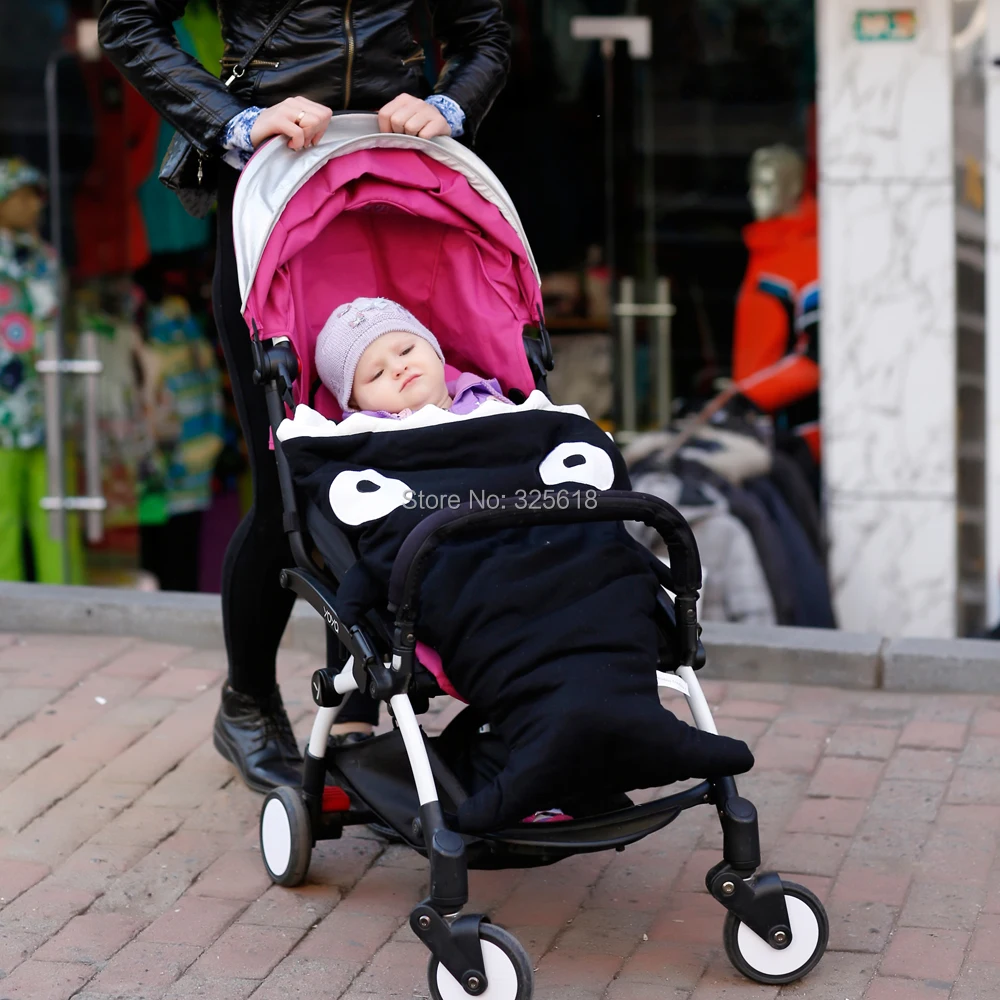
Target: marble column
<point>887,264</point>
<point>992,399</point>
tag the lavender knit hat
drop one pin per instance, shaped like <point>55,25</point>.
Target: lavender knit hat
<point>350,329</point>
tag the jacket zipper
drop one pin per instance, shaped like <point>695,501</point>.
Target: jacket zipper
<point>348,28</point>
<point>228,61</point>
<point>201,170</point>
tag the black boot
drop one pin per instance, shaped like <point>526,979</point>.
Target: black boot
<point>255,734</point>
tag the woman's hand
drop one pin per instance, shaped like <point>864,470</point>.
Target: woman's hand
<point>412,116</point>
<point>302,120</point>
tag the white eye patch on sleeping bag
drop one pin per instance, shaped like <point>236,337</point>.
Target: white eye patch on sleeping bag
<point>577,462</point>
<point>359,497</point>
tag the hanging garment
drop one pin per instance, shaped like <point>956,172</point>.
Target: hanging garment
<point>183,405</point>
<point>746,508</point>
<point>110,230</point>
<point>814,606</point>
<point>734,456</point>
<point>777,310</point>
<point>24,479</point>
<point>118,414</point>
<point>735,588</point>
<point>797,493</point>
<point>29,278</point>
<point>769,545</point>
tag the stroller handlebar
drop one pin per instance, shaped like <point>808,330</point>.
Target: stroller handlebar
<point>610,505</point>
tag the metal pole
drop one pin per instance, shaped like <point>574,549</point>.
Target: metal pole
<point>664,372</point>
<point>608,51</point>
<point>92,438</point>
<point>648,178</point>
<point>626,356</point>
<point>54,338</point>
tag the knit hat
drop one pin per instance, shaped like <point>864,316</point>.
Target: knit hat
<point>16,173</point>
<point>350,329</point>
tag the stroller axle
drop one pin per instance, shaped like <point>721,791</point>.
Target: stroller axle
<point>455,945</point>
<point>758,901</point>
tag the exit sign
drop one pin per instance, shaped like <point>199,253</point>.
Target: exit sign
<point>898,25</point>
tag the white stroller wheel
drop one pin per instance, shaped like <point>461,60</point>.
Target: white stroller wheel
<point>757,960</point>
<point>507,967</point>
<point>285,836</point>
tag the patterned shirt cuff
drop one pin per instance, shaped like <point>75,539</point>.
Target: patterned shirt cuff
<point>235,137</point>
<point>453,114</point>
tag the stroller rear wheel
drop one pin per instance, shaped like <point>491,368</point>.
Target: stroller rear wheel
<point>757,960</point>
<point>507,966</point>
<point>286,839</point>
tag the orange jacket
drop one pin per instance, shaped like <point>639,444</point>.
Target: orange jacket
<point>777,311</point>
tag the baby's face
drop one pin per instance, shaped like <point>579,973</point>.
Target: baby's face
<point>399,371</point>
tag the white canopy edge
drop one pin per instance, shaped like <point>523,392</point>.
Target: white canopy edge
<point>276,173</point>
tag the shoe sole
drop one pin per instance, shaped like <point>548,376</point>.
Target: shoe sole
<point>229,752</point>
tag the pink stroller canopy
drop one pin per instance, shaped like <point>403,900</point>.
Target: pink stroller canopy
<point>420,221</point>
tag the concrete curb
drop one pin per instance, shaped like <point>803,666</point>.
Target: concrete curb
<point>735,652</point>
<point>793,655</point>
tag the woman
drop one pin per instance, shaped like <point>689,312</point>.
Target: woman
<point>355,54</point>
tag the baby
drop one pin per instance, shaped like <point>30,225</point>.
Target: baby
<point>377,358</point>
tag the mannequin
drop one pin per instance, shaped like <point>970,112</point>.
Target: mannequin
<point>29,283</point>
<point>775,337</point>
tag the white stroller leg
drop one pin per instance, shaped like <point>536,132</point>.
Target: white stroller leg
<point>415,749</point>
<point>696,701</point>
<point>323,723</point>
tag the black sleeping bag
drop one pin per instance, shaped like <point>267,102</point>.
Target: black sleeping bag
<point>547,631</point>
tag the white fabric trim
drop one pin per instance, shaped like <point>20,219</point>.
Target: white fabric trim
<point>308,423</point>
<point>275,173</point>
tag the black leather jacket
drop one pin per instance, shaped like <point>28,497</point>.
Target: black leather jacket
<point>356,54</point>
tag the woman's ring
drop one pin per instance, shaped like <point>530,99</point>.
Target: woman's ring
<point>299,117</point>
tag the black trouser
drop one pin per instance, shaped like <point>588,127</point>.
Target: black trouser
<point>255,607</point>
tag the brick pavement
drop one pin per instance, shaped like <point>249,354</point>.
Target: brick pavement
<point>129,867</point>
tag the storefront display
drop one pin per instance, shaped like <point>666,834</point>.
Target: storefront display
<point>182,409</point>
<point>776,330</point>
<point>725,79</point>
<point>29,288</point>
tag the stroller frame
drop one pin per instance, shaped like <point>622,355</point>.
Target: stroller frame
<point>384,663</point>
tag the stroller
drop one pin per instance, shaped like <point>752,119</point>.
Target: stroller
<point>426,222</point>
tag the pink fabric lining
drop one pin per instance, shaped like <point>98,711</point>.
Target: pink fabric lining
<point>398,224</point>
<point>431,659</point>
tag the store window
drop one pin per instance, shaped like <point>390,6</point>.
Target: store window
<point>730,84</point>
<point>137,298</point>
<point>728,80</point>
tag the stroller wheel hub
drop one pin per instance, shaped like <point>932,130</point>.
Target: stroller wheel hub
<point>790,952</point>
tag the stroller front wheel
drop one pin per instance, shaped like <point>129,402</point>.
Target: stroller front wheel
<point>758,961</point>
<point>508,970</point>
<point>285,836</point>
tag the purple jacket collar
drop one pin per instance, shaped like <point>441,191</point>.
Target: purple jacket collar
<point>468,392</point>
